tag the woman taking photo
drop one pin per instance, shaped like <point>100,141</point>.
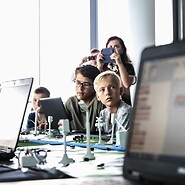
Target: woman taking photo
<point>122,65</point>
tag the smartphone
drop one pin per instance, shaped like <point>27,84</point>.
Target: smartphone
<point>107,52</point>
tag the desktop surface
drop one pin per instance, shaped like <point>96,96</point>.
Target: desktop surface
<point>106,165</point>
<point>105,169</point>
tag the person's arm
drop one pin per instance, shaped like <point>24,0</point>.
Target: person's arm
<point>124,115</point>
<point>128,120</point>
<point>99,60</point>
<point>84,59</point>
<point>68,111</point>
<point>124,76</point>
<point>31,121</point>
<point>126,79</point>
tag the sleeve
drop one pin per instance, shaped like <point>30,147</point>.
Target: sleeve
<point>126,119</point>
<point>130,69</point>
<point>31,120</point>
<point>106,119</point>
<point>124,114</point>
<point>68,109</point>
<point>68,105</point>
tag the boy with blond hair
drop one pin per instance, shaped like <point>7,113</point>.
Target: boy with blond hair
<point>108,90</point>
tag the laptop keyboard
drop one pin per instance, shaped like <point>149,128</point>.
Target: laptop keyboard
<point>6,155</point>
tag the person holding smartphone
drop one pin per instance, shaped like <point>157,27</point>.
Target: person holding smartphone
<point>91,59</point>
<point>119,63</point>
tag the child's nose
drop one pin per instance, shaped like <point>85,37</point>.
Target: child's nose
<point>107,91</point>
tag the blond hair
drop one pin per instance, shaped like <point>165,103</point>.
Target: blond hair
<point>104,75</point>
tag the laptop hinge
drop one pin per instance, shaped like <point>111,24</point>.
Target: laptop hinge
<point>5,149</point>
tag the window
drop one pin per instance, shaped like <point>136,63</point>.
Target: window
<point>45,39</point>
<point>64,41</point>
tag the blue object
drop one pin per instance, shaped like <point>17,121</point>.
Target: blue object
<point>83,145</point>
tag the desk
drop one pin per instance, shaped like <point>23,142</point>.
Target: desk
<point>42,139</point>
<point>84,170</point>
<point>112,158</point>
<point>80,181</point>
<point>113,161</point>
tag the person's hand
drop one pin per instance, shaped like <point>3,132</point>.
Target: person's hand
<point>99,61</point>
<point>84,59</point>
<point>117,57</point>
<point>43,125</point>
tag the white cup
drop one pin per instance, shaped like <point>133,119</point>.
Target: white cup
<point>64,126</point>
<point>121,137</point>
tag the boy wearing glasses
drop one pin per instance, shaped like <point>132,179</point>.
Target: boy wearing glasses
<point>84,78</point>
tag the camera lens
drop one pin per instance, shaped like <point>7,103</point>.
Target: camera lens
<point>92,58</point>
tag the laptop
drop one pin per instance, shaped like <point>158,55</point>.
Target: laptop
<point>54,107</point>
<point>14,96</point>
<point>156,141</point>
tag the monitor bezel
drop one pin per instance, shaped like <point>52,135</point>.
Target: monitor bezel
<point>150,166</point>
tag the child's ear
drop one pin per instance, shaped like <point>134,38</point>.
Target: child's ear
<point>121,91</point>
<point>97,97</point>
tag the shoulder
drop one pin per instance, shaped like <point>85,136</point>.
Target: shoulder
<point>31,115</point>
<point>124,106</point>
<point>95,100</point>
<point>71,99</point>
<point>104,112</point>
<point>72,104</point>
<point>96,103</point>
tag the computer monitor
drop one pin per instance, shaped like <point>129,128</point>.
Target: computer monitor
<point>14,96</point>
<point>155,148</point>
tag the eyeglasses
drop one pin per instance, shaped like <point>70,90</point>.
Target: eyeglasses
<point>85,85</point>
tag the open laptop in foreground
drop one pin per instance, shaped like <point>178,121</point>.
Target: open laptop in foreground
<point>14,96</point>
<point>156,142</point>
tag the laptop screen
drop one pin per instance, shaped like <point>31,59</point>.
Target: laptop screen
<point>156,139</point>
<point>160,108</point>
<point>14,97</point>
<point>54,107</point>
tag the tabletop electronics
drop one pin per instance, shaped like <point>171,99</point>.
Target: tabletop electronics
<point>107,52</point>
<point>54,107</point>
<point>14,96</point>
<point>155,148</point>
